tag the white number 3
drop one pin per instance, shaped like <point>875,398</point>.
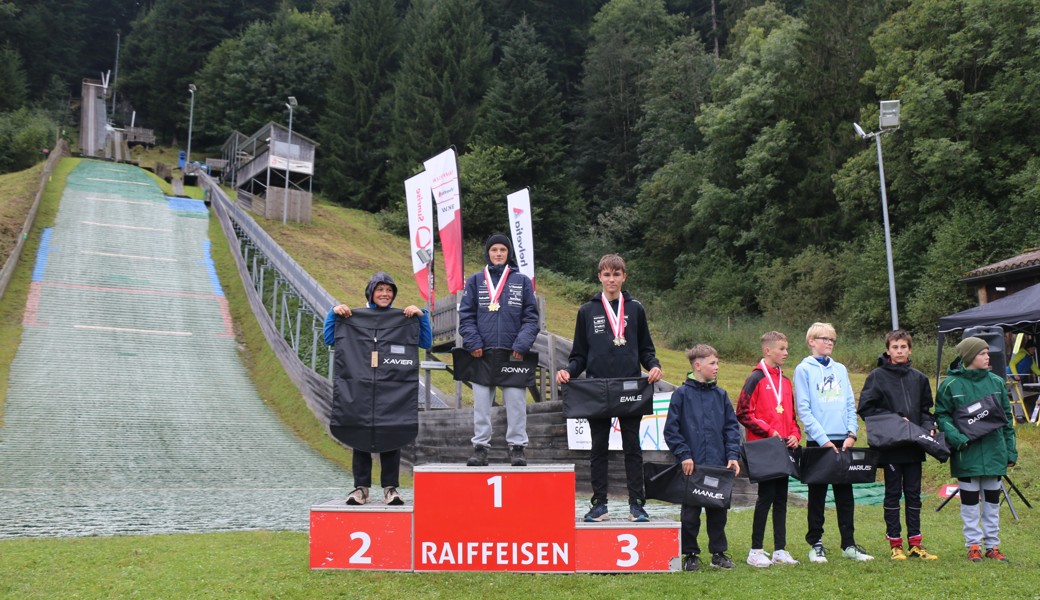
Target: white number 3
<point>628,549</point>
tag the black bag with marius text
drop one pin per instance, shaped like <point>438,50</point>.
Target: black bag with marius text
<point>594,398</point>
<point>496,368</point>
<point>824,465</point>
<point>769,458</point>
<point>980,418</point>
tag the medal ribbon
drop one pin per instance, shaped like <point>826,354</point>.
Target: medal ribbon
<point>494,293</point>
<point>616,320</point>
<point>777,389</point>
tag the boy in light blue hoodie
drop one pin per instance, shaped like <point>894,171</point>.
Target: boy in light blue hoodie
<point>827,409</point>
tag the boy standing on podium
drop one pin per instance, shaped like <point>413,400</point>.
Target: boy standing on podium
<point>612,339</point>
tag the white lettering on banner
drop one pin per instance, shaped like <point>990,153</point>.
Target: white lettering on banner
<point>495,553</point>
<point>630,398</point>
<point>518,205</point>
<point>981,415</point>
<point>398,361</point>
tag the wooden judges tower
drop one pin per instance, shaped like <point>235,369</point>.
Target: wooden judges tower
<point>269,171</point>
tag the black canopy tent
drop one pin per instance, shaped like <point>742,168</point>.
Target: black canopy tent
<point>1017,313</point>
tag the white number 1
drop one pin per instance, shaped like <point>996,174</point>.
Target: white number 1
<point>629,548</point>
<point>496,482</point>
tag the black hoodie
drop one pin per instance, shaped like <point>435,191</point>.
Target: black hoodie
<point>903,390</point>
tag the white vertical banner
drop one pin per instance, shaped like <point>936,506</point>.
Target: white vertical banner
<point>420,229</point>
<point>444,183</point>
<point>519,207</point>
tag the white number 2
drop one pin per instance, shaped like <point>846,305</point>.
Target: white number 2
<point>629,549</point>
<point>496,482</point>
<point>359,558</point>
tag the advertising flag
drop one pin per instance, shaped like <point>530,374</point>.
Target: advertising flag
<point>420,229</point>
<point>444,183</point>
<point>519,204</point>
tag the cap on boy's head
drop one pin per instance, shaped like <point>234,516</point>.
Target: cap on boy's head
<point>969,348</point>
<point>611,262</point>
<point>497,238</point>
<point>700,351</point>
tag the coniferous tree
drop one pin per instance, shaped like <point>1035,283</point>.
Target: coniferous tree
<point>444,72</point>
<point>355,125</point>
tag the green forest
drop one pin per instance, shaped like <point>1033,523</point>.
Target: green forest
<point>710,142</point>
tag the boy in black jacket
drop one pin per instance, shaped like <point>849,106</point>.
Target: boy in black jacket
<point>896,387</point>
<point>702,429</point>
<point>612,339</point>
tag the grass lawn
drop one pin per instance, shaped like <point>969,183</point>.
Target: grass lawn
<point>274,565</point>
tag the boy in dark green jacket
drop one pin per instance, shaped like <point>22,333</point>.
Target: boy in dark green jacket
<point>978,465</point>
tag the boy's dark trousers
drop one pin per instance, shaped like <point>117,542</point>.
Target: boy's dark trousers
<point>903,479</point>
<point>389,468</point>
<point>599,430</point>
<point>844,502</point>
<point>691,527</point>
<point>772,493</point>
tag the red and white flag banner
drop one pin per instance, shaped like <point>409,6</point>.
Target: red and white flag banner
<point>519,206</point>
<point>420,229</point>
<point>444,183</point>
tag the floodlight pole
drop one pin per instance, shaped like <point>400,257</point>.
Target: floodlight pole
<point>888,236</point>
<point>191,119</point>
<point>888,121</point>
<point>291,104</point>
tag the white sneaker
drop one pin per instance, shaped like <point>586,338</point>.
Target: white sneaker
<point>817,554</point>
<point>783,557</point>
<point>758,558</point>
<point>856,553</point>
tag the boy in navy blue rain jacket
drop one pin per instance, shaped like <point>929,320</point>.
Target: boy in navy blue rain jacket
<point>702,428</point>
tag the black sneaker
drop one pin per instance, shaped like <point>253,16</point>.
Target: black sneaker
<point>479,458</point>
<point>719,560</point>
<point>691,563</point>
<point>516,456</point>
<point>597,513</point>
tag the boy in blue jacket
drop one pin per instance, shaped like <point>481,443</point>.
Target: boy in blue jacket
<point>701,428</point>
<point>827,409</point>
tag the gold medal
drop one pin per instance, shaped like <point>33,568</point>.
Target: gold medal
<point>493,307</point>
<point>779,409</point>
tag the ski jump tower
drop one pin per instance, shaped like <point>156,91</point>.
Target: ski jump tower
<point>269,172</point>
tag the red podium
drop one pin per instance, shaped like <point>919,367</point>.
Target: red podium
<point>500,518</point>
<point>373,537</point>
<point>494,518</point>
<point>614,547</point>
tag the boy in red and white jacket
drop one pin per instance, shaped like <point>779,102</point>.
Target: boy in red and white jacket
<point>765,409</point>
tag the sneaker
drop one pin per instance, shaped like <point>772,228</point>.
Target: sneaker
<point>391,497</point>
<point>597,513</point>
<point>719,560</point>
<point>783,557</point>
<point>996,554</point>
<point>817,554</point>
<point>691,563</point>
<point>898,554</point>
<point>637,514</point>
<point>516,456</point>
<point>856,553</point>
<point>975,553</point>
<point>358,496</point>
<point>758,558</point>
<point>921,553</point>
<point>479,458</point>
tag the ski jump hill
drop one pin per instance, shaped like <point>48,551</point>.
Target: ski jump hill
<point>128,409</point>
